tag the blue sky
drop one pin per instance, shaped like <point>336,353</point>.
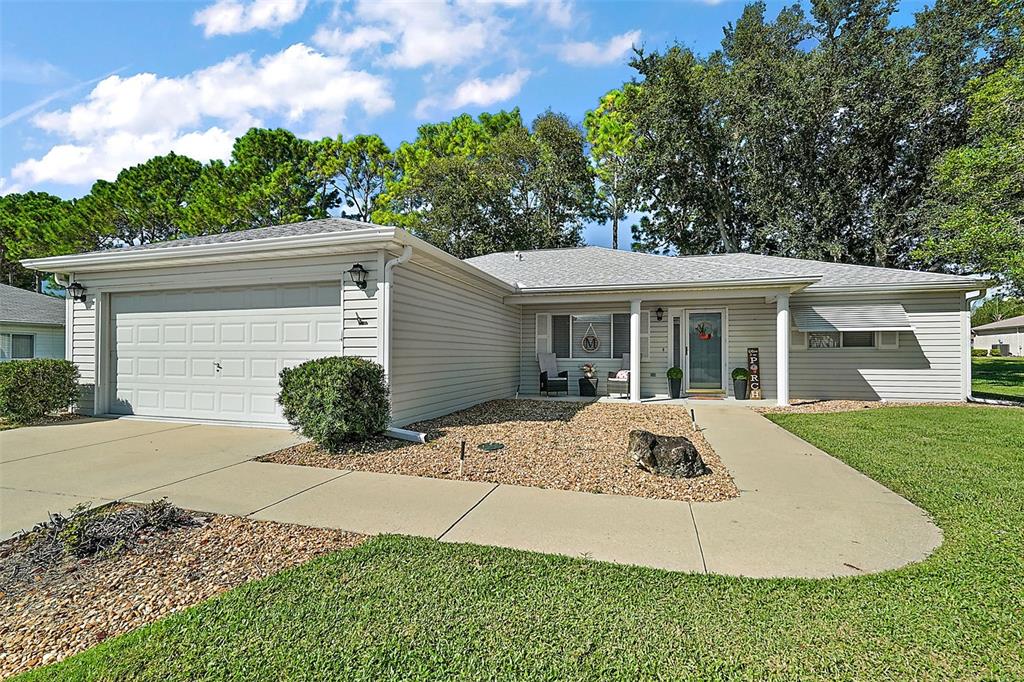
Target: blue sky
<point>87,88</point>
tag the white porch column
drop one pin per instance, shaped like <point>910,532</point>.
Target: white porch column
<point>782,347</point>
<point>634,351</point>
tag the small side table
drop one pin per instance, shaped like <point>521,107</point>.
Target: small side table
<point>588,387</point>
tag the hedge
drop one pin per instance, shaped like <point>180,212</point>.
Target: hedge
<point>336,400</point>
<point>30,389</point>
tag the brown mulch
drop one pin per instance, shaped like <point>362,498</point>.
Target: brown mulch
<point>565,445</point>
<point>825,406</point>
<point>82,602</point>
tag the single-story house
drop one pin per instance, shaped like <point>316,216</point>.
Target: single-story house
<point>31,325</point>
<point>1005,334</point>
<point>199,328</point>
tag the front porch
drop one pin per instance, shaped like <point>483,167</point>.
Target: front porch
<point>707,335</point>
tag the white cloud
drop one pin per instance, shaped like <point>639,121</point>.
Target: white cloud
<point>476,93</point>
<point>417,34</point>
<point>594,54</point>
<point>558,12</point>
<point>124,121</point>
<point>225,17</point>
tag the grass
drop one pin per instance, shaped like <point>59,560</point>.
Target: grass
<point>1001,378</point>
<point>403,608</point>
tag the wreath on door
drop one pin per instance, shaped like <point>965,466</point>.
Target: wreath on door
<point>703,331</point>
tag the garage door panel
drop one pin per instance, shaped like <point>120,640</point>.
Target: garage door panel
<point>168,347</point>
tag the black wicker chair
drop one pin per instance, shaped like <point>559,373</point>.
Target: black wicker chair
<point>551,380</point>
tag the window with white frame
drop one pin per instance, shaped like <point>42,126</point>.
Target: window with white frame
<point>606,333</point>
<point>830,340</point>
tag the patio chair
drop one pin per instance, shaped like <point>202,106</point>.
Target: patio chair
<point>551,380</point>
<point>617,384</point>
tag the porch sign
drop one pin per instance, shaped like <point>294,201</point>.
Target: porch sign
<point>754,367</point>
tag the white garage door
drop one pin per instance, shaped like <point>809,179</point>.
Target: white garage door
<point>217,353</point>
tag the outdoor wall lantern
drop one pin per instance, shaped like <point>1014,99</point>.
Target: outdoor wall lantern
<point>659,314</point>
<point>77,292</point>
<point>358,275</point>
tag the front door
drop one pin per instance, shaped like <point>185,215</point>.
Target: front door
<point>705,351</point>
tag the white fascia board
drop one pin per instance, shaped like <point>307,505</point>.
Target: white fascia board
<point>902,287</point>
<point>662,292</point>
<point>252,249</point>
<point>404,238</point>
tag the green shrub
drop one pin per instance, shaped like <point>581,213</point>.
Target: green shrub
<point>740,374</point>
<point>29,389</point>
<point>336,400</point>
<point>674,373</point>
<point>979,352</point>
<point>996,353</point>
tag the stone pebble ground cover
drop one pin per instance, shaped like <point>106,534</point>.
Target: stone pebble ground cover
<point>547,444</point>
<point>81,602</point>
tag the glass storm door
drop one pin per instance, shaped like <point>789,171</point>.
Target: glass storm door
<point>704,348</point>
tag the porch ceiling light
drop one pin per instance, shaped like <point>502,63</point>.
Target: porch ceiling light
<point>358,275</point>
<point>659,314</point>
<point>76,291</point>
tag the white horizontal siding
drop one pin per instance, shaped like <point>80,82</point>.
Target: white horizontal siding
<point>48,339</point>
<point>926,366</point>
<point>454,344</point>
<point>83,351</point>
<point>1014,338</point>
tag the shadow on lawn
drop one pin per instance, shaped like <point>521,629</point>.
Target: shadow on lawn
<point>1000,378</point>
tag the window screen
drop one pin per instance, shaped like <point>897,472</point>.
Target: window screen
<point>858,339</point>
<point>823,339</point>
<point>560,335</point>
<point>22,346</point>
<point>620,334</point>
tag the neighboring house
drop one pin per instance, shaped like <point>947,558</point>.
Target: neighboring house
<point>31,325</point>
<point>201,327</point>
<point>1008,332</point>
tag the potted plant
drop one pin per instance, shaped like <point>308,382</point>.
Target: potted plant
<point>740,377</point>
<point>675,382</point>
<point>588,370</point>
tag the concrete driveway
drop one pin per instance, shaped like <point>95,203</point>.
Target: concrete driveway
<point>55,467</point>
<point>801,512</point>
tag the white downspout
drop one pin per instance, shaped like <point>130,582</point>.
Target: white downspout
<point>385,335</point>
<point>385,294</point>
<point>966,369</point>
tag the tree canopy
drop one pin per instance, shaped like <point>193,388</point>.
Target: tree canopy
<point>826,132</point>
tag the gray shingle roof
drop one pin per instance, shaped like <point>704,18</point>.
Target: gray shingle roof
<point>1008,323</point>
<point>28,307</point>
<point>598,266</point>
<point>320,226</point>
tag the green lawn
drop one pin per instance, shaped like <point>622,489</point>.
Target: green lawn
<point>998,378</point>
<point>402,608</point>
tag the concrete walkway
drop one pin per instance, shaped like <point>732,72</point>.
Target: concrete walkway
<point>801,513</point>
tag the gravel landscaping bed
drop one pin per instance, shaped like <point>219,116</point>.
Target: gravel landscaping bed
<point>564,445</point>
<point>826,406</point>
<point>80,602</point>
<point>48,419</point>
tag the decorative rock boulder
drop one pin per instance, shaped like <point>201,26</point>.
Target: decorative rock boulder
<point>666,455</point>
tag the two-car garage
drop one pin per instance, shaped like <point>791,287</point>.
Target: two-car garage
<point>216,353</point>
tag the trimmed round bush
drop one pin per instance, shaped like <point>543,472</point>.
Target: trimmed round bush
<point>30,389</point>
<point>996,353</point>
<point>979,352</point>
<point>336,400</point>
